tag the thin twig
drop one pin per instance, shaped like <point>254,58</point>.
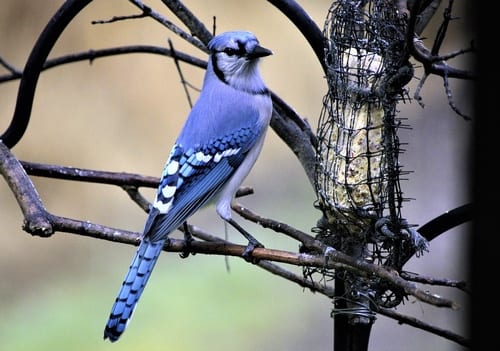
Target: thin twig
<point>10,67</point>
<point>459,284</point>
<point>433,62</point>
<point>181,75</point>
<point>417,95</point>
<point>169,25</point>
<point>196,27</point>
<point>121,18</point>
<point>136,196</point>
<point>451,101</point>
<point>279,227</point>
<point>89,175</point>
<point>91,55</point>
<point>414,322</point>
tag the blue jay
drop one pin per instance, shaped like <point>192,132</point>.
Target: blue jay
<point>215,150</point>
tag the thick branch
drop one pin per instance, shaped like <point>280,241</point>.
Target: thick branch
<point>446,221</point>
<point>305,25</point>
<point>329,258</point>
<point>132,181</point>
<point>297,134</point>
<point>333,259</point>
<point>35,215</point>
<point>423,11</point>
<point>33,67</point>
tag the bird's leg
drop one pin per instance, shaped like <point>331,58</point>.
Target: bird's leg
<point>252,242</point>
<point>188,239</point>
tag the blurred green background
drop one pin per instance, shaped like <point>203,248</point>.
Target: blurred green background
<point>122,114</point>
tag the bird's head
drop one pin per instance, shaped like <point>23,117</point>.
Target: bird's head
<point>235,56</point>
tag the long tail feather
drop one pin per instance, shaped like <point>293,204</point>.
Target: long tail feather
<point>139,272</point>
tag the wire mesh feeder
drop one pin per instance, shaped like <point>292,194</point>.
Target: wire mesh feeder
<point>358,174</point>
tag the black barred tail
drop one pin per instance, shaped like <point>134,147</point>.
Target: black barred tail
<point>139,272</point>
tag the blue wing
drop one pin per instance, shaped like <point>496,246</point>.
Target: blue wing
<point>193,176</point>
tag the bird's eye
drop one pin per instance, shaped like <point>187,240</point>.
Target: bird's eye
<point>230,51</point>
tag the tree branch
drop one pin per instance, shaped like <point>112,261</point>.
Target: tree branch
<point>170,26</point>
<point>432,61</point>
<point>33,67</point>
<point>43,223</point>
<point>196,27</point>
<point>40,222</point>
<point>290,127</point>
<point>462,285</point>
<point>423,11</point>
<point>269,266</point>
<point>91,55</point>
<point>305,25</point>
<point>297,134</point>
<point>360,267</point>
<point>293,130</point>
<point>36,220</point>
<point>414,322</point>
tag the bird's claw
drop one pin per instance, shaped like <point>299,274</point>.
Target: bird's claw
<point>188,239</point>
<point>186,247</point>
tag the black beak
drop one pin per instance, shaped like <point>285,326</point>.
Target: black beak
<point>259,51</point>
